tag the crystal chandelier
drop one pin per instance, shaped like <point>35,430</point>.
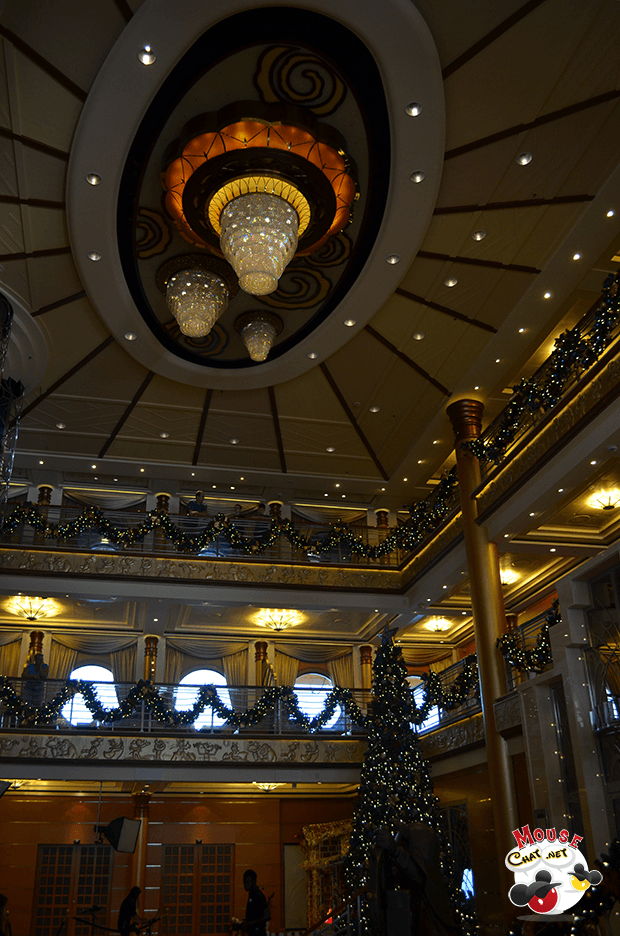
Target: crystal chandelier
<point>259,189</point>
<point>196,298</point>
<point>258,331</point>
<point>278,620</point>
<point>33,609</point>
<point>197,290</point>
<point>259,238</point>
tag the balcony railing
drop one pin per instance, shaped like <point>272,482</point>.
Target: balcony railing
<point>74,716</point>
<point>319,550</point>
<point>438,716</point>
<point>527,638</point>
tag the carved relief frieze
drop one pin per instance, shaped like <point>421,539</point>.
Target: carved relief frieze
<point>141,567</point>
<point>508,714</point>
<point>191,749</point>
<point>453,738</point>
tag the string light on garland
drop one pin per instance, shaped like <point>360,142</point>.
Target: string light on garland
<point>575,350</point>
<point>540,656</point>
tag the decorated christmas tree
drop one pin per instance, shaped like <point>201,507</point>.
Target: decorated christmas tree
<point>395,783</point>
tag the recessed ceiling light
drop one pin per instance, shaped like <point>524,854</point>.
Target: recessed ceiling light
<point>393,259</point>
<point>450,281</point>
<point>146,55</point>
<point>41,462</point>
<point>524,159</point>
<point>464,612</point>
<point>130,336</point>
<point>349,322</point>
<point>532,514</point>
<point>94,255</point>
<point>344,495</point>
<point>61,425</point>
<point>232,487</point>
<point>96,478</point>
<point>417,176</point>
<point>479,235</point>
<point>142,470</point>
<point>576,256</point>
<point>312,355</point>
<point>560,490</point>
<point>428,599</point>
<point>115,479</point>
<point>414,108</point>
<point>521,331</point>
<point>164,435</point>
<point>547,295</point>
<point>93,466</point>
<point>234,441</point>
<point>405,479</point>
<point>337,485</point>
<point>93,178</point>
<point>444,586</point>
<point>242,479</point>
<point>506,535</point>
<point>214,486</point>
<point>593,462</point>
<point>418,336</point>
<point>193,474</point>
<point>420,461</point>
<point>477,387</point>
<point>552,550</point>
<point>375,409</point>
<point>156,619</point>
<point>383,489</point>
<point>330,448</point>
<point>610,213</point>
<point>325,495</point>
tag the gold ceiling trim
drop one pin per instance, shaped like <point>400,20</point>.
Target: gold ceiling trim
<point>252,184</point>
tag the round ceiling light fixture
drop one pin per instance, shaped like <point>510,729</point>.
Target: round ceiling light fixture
<point>418,176</point>
<point>258,189</point>
<point>197,290</point>
<point>258,331</point>
<point>524,159</point>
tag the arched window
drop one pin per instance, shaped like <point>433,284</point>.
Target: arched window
<point>187,693</point>
<point>75,710</point>
<point>312,691</point>
<point>417,690</point>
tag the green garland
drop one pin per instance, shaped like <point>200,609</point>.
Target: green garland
<point>575,351</point>
<point>145,692</point>
<point>540,656</point>
<point>447,699</point>
<point>425,516</point>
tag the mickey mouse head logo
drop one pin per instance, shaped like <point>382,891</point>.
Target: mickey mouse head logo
<point>581,879</point>
<point>540,895</point>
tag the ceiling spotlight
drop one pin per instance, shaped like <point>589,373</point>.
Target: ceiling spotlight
<point>521,331</point>
<point>234,441</point>
<point>420,461</point>
<point>330,448</point>
<point>405,479</point>
<point>498,360</point>
<point>418,336</point>
<point>479,235</point>
<point>61,425</point>
<point>375,409</point>
<point>336,485</point>
<point>524,159</point>
<point>610,213</point>
<point>164,435</point>
<point>576,256</point>
<point>383,489</point>
<point>552,550</point>
<point>477,387</point>
<point>547,295</point>
<point>94,255</point>
<point>142,470</point>
<point>258,331</point>
<point>532,514</point>
<point>350,322</point>
<point>41,462</point>
<point>560,490</point>
<point>93,178</point>
<point>593,462</point>
<point>414,109</point>
<point>312,355</point>
<point>147,56</point>
<point>94,466</point>
<point>393,258</point>
<point>436,441</point>
<point>417,176</point>
<point>450,281</point>
<point>130,336</point>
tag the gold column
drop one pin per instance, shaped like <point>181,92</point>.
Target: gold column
<point>489,624</point>
<point>163,501</point>
<point>366,668</point>
<point>275,509</point>
<point>383,519</point>
<point>141,803</point>
<point>260,659</point>
<point>36,643</point>
<point>150,657</point>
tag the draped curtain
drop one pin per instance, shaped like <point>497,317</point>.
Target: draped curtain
<point>10,650</point>
<point>341,671</point>
<point>62,660</point>
<point>439,665</point>
<point>173,665</point>
<point>124,663</point>
<point>235,666</point>
<point>286,668</point>
<point>105,500</point>
<point>314,653</point>
<point>329,515</point>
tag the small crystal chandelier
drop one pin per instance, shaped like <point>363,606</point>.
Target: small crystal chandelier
<point>437,625</point>
<point>197,290</point>
<point>33,609</point>
<point>278,620</point>
<point>258,331</point>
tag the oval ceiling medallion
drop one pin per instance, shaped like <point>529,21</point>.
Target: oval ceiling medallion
<point>266,182</point>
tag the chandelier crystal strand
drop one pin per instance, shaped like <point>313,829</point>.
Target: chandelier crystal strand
<point>258,337</point>
<point>259,238</point>
<point>196,298</point>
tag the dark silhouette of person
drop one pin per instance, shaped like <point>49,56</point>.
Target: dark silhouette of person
<point>5,925</point>
<point>197,506</point>
<point>257,908</point>
<point>128,913</point>
<point>412,862</point>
